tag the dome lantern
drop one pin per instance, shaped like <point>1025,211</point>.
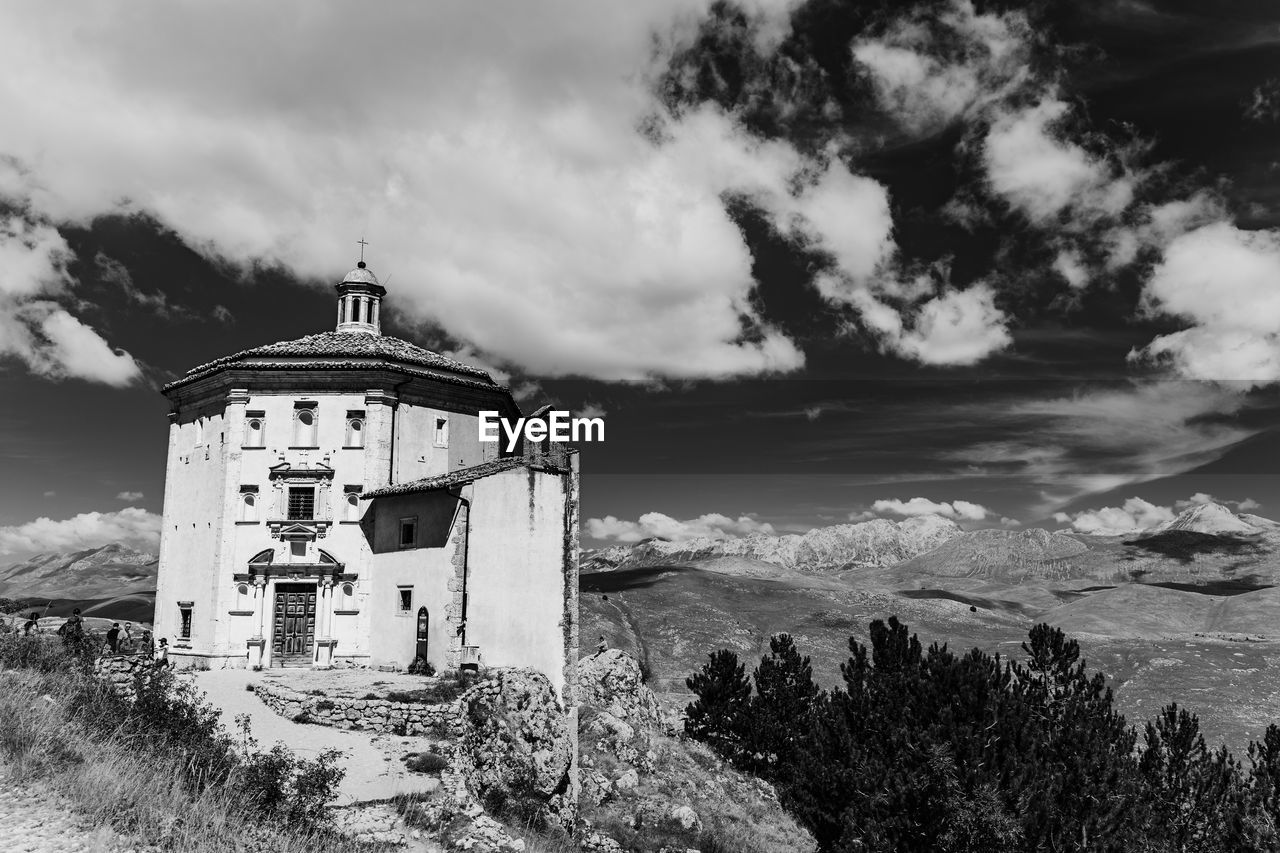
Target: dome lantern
<point>360,301</point>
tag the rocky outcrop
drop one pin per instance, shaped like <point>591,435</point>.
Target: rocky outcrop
<point>612,683</point>
<point>878,542</point>
<point>517,744</point>
<point>668,793</point>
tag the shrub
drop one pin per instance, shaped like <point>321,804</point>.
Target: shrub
<point>421,667</point>
<point>325,705</point>
<point>282,787</point>
<point>167,722</point>
<point>426,762</point>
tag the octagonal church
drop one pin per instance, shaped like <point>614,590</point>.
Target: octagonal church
<point>328,501</point>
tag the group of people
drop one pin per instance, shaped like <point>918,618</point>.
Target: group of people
<point>118,640</point>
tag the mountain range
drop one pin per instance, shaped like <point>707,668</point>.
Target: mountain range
<point>108,570</point>
<point>1183,611</point>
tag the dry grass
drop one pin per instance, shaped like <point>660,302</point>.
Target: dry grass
<point>126,789</point>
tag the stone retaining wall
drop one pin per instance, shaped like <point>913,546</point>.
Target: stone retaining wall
<point>379,715</point>
<point>120,670</point>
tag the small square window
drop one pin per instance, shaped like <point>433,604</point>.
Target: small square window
<point>408,532</point>
<point>406,599</point>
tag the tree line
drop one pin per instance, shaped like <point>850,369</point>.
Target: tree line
<point>927,750</point>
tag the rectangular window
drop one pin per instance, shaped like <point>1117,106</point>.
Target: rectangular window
<point>255,430</point>
<point>248,503</point>
<point>302,503</point>
<point>184,629</point>
<point>305,425</point>
<point>406,599</point>
<point>442,432</point>
<point>351,503</point>
<point>355,429</point>
<point>408,532</point>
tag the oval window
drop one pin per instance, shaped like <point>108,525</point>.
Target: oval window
<point>243,589</point>
<point>305,417</point>
<point>348,590</point>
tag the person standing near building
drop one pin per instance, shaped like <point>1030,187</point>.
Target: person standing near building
<point>113,638</point>
<point>162,654</point>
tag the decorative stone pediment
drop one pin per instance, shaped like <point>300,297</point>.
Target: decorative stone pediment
<point>287,470</point>
<point>299,531</point>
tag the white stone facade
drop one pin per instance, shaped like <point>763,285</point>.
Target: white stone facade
<point>341,477</point>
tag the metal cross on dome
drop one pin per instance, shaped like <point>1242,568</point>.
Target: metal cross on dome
<point>362,245</point>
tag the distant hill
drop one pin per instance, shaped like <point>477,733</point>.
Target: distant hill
<point>870,543</point>
<point>96,573</point>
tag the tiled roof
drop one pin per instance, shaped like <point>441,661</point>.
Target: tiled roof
<point>347,345</point>
<point>457,478</point>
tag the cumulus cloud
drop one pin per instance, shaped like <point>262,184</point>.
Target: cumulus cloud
<point>959,327</point>
<point>130,526</point>
<point>37,330</point>
<point>658,525</point>
<point>1040,172</point>
<point>1222,281</point>
<point>926,90</point>
<point>958,510</point>
<point>490,157</point>
<point>1136,514</point>
<point>1201,498</point>
<point>130,497</point>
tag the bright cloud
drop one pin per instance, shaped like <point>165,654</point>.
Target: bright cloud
<point>130,526</point>
<point>490,157</point>
<point>661,526</point>
<point>130,497</point>
<point>37,330</point>
<point>1136,514</point>
<point>1041,173</point>
<point>925,90</point>
<point>959,327</point>
<point>960,510</point>
<point>1225,282</point>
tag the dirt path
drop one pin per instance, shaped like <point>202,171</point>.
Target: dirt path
<point>37,819</point>
<point>373,762</point>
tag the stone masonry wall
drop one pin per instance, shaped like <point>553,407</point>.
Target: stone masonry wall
<point>379,715</point>
<point>119,671</point>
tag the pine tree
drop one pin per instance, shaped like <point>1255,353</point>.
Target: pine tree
<point>782,707</point>
<point>720,716</point>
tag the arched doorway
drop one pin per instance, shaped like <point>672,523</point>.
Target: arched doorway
<point>423,623</point>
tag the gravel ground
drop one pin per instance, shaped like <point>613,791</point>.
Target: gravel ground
<point>37,819</point>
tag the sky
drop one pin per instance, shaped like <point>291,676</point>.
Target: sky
<point>815,262</point>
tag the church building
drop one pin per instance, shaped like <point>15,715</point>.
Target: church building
<point>328,501</point>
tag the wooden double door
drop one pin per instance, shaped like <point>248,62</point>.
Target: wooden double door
<point>293,631</point>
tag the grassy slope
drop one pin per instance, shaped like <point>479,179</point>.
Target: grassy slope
<point>114,785</point>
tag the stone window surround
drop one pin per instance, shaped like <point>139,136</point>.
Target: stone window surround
<point>261,417</point>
